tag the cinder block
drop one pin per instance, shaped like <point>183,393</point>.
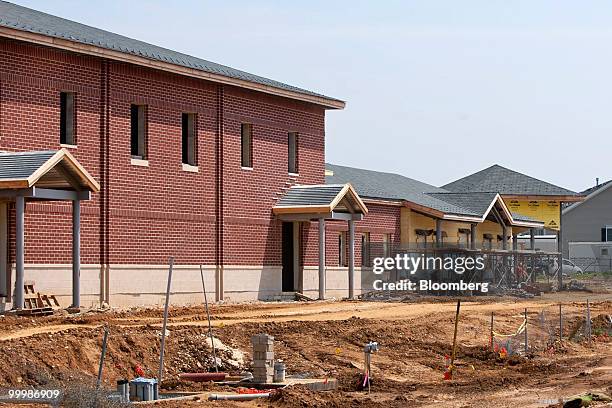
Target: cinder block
<point>263,355</point>
<point>263,363</point>
<point>262,339</point>
<point>262,348</point>
<point>262,372</point>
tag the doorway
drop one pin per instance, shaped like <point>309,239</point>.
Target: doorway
<point>4,278</point>
<point>290,256</point>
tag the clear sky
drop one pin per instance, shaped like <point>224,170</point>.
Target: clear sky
<point>435,89</point>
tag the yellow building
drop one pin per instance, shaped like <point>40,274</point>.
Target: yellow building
<point>523,195</point>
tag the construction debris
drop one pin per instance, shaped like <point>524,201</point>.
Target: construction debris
<point>263,358</point>
<point>574,285</point>
<point>585,400</point>
<point>36,303</point>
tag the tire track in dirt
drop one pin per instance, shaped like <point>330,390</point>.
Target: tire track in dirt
<point>297,311</point>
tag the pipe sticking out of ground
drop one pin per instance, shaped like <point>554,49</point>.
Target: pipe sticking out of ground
<point>238,397</point>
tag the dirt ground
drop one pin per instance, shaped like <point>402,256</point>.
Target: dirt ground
<point>326,339</point>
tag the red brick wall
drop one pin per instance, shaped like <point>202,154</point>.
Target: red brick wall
<point>157,211</point>
<point>380,220</point>
<point>31,79</point>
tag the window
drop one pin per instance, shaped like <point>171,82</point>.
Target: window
<point>342,261</point>
<point>292,144</point>
<point>365,249</point>
<point>189,139</point>
<point>138,124</point>
<point>387,245</point>
<point>463,237</point>
<point>246,144</point>
<point>67,119</point>
<point>487,241</point>
<point>606,233</point>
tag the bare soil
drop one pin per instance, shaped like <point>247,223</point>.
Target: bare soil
<point>326,339</point>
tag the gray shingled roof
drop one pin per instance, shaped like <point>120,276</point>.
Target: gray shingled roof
<point>477,203</point>
<point>505,182</point>
<point>21,165</point>
<point>594,188</point>
<point>315,196</point>
<point>26,19</point>
<point>389,186</point>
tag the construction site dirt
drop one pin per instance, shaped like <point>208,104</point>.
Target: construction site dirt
<point>326,340</point>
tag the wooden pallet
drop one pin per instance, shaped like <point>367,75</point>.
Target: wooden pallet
<point>36,303</point>
<point>39,311</point>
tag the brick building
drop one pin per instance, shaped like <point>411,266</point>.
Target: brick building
<point>190,157</point>
<point>117,155</point>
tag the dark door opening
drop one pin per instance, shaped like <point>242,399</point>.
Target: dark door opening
<point>288,257</point>
<point>4,275</point>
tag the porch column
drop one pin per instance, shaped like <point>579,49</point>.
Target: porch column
<point>351,258</point>
<point>19,247</point>
<point>473,236</point>
<point>515,242</point>
<point>321,258</point>
<point>560,247</point>
<point>76,253</point>
<point>532,239</point>
<point>438,232</point>
<point>504,237</point>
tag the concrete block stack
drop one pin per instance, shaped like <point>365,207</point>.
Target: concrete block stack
<point>263,358</point>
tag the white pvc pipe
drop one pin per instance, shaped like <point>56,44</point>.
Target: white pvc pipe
<point>237,397</point>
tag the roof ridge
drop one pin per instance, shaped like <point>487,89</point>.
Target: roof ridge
<point>385,172</point>
<point>18,17</point>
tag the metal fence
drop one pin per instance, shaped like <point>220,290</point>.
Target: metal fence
<point>546,329</point>
<point>593,265</point>
<point>504,269</point>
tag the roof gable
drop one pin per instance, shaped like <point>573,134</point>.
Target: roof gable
<point>594,193</point>
<point>320,199</point>
<point>50,169</point>
<point>505,182</point>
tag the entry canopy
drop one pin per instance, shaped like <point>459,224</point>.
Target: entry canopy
<point>50,174</point>
<point>331,201</point>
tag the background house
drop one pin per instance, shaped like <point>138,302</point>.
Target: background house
<point>587,229</point>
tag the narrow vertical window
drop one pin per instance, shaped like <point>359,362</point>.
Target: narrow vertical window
<point>342,261</point>
<point>138,121</point>
<point>292,144</point>
<point>67,121</point>
<point>246,145</point>
<point>387,245</point>
<point>189,139</point>
<point>365,249</point>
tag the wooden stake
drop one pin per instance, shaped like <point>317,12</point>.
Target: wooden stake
<point>210,333</point>
<point>104,340</point>
<point>525,332</point>
<point>589,321</point>
<point>163,333</point>
<point>452,366</point>
<point>492,347</point>
<point>560,324</point>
